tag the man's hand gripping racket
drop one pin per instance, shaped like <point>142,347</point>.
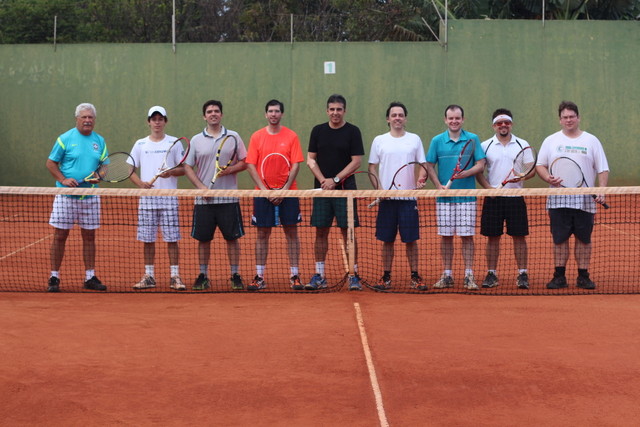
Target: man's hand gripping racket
<point>523,164</point>
<point>116,167</point>
<point>176,150</point>
<point>571,175</point>
<point>227,153</point>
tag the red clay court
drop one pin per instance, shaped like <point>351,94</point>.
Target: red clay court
<point>279,359</point>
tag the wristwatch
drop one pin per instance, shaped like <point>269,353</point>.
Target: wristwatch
<point>336,180</point>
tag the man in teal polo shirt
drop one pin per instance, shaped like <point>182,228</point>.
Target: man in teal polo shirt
<point>74,156</point>
<point>455,215</point>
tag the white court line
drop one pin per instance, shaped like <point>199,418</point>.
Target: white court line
<point>25,247</point>
<point>624,233</point>
<point>382,416</point>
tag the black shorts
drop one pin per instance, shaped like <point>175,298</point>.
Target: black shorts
<point>326,208</point>
<point>567,221</point>
<point>496,211</point>
<point>226,216</point>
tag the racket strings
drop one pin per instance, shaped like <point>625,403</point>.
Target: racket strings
<point>275,172</point>
<point>406,178</point>
<point>524,163</point>
<point>568,171</point>
<point>117,169</point>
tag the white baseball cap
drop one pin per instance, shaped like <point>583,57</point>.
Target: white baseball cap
<point>157,109</point>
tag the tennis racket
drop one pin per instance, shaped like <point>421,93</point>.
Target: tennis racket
<point>176,147</point>
<point>116,167</point>
<point>227,153</point>
<point>274,171</point>
<point>464,159</point>
<point>406,178</point>
<point>523,164</point>
<point>571,174</point>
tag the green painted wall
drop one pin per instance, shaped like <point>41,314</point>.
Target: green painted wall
<point>520,65</point>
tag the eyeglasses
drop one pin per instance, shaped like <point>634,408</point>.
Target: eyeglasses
<point>505,123</point>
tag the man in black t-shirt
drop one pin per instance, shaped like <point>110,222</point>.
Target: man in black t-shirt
<point>335,152</point>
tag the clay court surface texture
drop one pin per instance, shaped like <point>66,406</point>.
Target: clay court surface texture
<point>339,359</point>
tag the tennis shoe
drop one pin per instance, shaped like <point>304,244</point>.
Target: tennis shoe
<point>201,283</point>
<point>295,283</point>
<point>176,283</point>
<point>316,282</point>
<point>354,283</point>
<point>558,282</point>
<point>257,283</point>
<point>585,282</point>
<point>417,283</point>
<point>383,284</point>
<point>470,283</point>
<point>490,281</point>
<point>444,282</point>
<point>523,281</point>
<point>94,284</point>
<point>54,284</point>
<point>236,282</point>
<point>146,282</point>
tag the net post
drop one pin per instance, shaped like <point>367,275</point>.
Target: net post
<point>351,247</point>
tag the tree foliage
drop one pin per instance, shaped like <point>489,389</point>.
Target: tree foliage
<point>150,21</point>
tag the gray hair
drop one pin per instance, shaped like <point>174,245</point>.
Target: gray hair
<point>84,107</point>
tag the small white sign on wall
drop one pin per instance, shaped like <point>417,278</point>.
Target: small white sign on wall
<point>329,67</point>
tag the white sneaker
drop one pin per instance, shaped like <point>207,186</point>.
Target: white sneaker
<point>176,283</point>
<point>444,282</point>
<point>470,283</point>
<point>146,282</point>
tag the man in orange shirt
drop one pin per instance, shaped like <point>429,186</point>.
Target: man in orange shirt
<point>273,161</point>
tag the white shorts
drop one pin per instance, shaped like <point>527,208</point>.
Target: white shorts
<point>456,219</point>
<point>166,219</point>
<point>68,211</point>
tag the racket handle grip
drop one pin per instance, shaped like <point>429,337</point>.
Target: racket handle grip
<point>376,202</point>
<point>448,185</point>
<point>604,204</point>
<point>154,179</point>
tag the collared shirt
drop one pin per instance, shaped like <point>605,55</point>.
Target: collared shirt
<point>444,152</point>
<point>202,157</point>
<point>500,159</point>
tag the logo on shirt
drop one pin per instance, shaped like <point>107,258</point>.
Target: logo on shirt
<point>95,146</point>
<point>570,149</point>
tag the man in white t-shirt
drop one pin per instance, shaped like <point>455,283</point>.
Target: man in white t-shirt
<point>158,212</point>
<point>573,214</point>
<point>389,152</point>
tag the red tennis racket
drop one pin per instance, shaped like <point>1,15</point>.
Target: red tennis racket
<point>174,157</point>
<point>523,164</point>
<point>275,170</point>
<point>464,159</point>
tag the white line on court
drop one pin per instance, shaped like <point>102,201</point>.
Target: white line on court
<point>25,247</point>
<point>382,416</point>
<point>615,230</point>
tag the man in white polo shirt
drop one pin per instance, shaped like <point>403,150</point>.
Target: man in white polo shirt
<point>500,150</point>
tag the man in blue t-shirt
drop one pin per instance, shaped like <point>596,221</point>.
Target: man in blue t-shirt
<point>74,156</point>
<point>455,215</point>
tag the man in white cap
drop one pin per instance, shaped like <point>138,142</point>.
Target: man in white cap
<point>500,150</point>
<point>158,212</point>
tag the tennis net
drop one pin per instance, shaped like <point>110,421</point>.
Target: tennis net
<point>27,239</point>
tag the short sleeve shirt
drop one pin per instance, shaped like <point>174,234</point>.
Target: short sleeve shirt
<point>444,152</point>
